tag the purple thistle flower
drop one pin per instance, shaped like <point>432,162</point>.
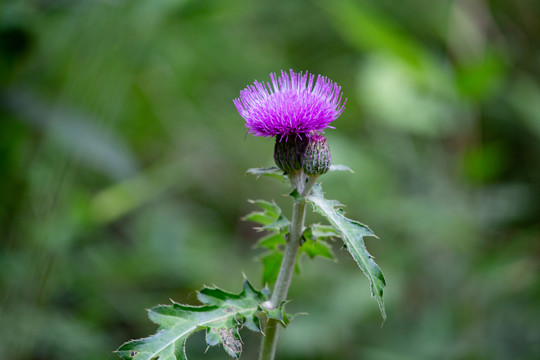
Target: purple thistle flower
<point>292,105</point>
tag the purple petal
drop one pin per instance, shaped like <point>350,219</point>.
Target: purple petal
<point>293,104</point>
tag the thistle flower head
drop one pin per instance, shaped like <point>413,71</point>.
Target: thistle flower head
<point>289,153</point>
<point>294,105</point>
<point>317,157</point>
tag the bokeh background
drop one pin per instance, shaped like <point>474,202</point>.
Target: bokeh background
<point>122,162</point>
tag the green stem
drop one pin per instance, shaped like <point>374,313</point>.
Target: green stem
<point>303,185</point>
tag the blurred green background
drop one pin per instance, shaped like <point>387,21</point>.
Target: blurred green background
<point>122,161</point>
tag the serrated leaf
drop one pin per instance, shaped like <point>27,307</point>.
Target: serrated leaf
<point>270,208</point>
<point>221,315</point>
<point>215,296</point>
<point>318,231</point>
<point>271,217</point>
<point>253,324</point>
<point>279,314</point>
<point>272,171</point>
<point>317,248</point>
<point>352,234</point>
<point>274,222</point>
<point>271,264</point>
<point>259,217</point>
<point>212,337</point>
<point>281,224</point>
<point>272,241</point>
<point>180,352</point>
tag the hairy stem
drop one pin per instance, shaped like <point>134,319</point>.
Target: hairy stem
<point>303,185</point>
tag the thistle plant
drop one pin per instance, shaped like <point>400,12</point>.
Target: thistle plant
<point>294,109</point>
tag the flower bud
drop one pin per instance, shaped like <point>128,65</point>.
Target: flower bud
<point>289,153</point>
<point>317,158</point>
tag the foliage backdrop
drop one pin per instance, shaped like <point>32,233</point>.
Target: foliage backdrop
<point>122,161</point>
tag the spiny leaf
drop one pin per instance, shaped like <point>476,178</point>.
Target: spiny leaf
<point>271,217</point>
<point>279,314</point>
<point>274,222</point>
<point>259,217</point>
<point>253,324</point>
<point>317,248</point>
<point>270,208</point>
<point>272,171</point>
<point>272,241</point>
<point>315,244</point>
<point>212,337</point>
<point>281,224</point>
<point>221,315</point>
<point>352,234</point>
<point>340,168</point>
<point>318,231</point>
<point>214,296</point>
<point>271,264</point>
